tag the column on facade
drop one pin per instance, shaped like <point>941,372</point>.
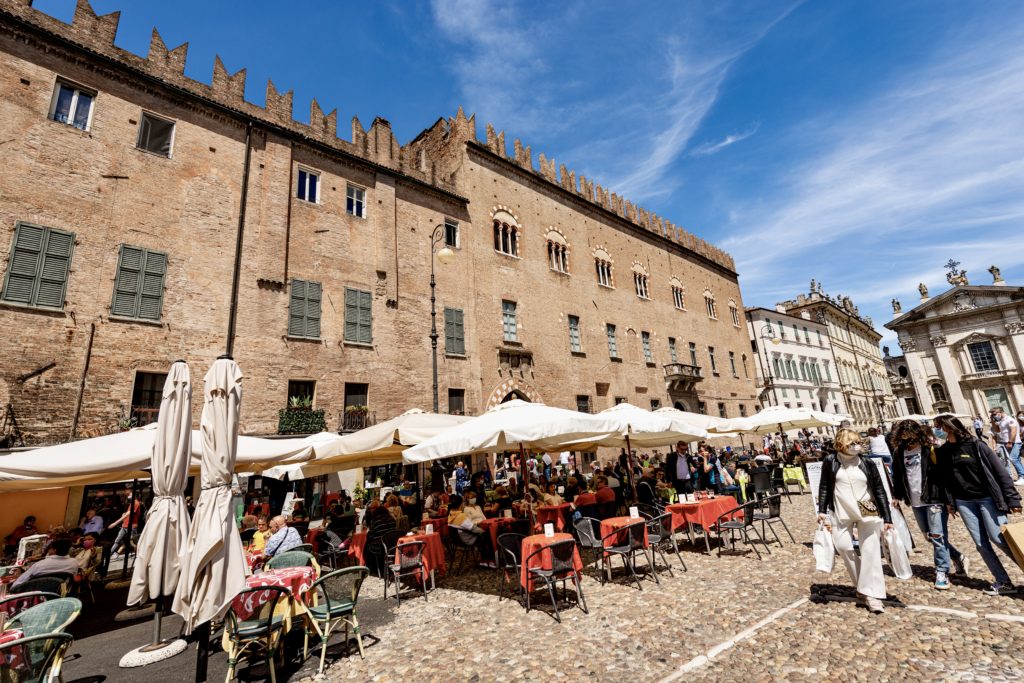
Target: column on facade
<point>919,380</point>
<point>951,379</point>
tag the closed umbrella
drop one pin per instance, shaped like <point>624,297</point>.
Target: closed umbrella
<point>213,567</point>
<point>167,523</point>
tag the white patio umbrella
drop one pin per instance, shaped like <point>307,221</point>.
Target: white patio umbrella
<point>380,444</point>
<point>779,419</point>
<point>710,423</point>
<point>156,570</point>
<point>213,567</point>
<point>646,429</point>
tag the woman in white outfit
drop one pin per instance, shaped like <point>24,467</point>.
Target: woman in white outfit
<point>851,495</point>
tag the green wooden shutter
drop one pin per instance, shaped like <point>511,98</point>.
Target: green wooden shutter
<point>313,296</point>
<point>297,309</point>
<point>449,330</point>
<point>351,315</point>
<point>459,332</point>
<point>151,293</point>
<point>53,272</point>
<point>365,318</point>
<point>126,285</point>
<point>25,257</point>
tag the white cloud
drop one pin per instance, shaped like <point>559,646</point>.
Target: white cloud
<point>709,148</point>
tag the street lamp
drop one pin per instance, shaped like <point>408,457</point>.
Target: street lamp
<point>444,255</point>
<point>767,333</point>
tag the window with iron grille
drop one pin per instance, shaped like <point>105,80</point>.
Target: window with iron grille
<point>983,356</point>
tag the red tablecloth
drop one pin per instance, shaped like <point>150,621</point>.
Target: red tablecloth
<point>612,524</point>
<point>357,548</point>
<point>433,553</point>
<point>552,514</point>
<point>543,560</point>
<point>15,659</point>
<point>297,580</point>
<point>331,498</point>
<point>703,513</point>
<point>254,560</point>
<point>440,525</point>
<point>496,526</point>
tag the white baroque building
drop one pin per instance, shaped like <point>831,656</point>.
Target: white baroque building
<point>964,348</point>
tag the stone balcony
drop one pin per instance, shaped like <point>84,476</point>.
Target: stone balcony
<point>682,377</point>
<point>1005,373</point>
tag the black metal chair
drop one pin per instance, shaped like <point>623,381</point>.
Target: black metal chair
<point>410,563</point>
<point>588,536</point>
<point>460,549</point>
<point>260,630</point>
<point>34,658</point>
<point>659,532</point>
<point>246,535</point>
<point>330,553</point>
<point>745,526</point>
<point>779,483</point>
<point>521,527</point>
<point>509,556</point>
<point>634,534</point>
<point>608,509</point>
<point>770,514</point>
<point>562,569</point>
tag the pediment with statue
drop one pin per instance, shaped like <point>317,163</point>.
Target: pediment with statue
<point>958,300</point>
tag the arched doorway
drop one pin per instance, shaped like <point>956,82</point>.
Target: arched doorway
<point>679,405</point>
<point>511,389</point>
<point>515,394</point>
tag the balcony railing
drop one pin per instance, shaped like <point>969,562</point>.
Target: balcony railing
<point>679,371</point>
<point>986,374</point>
<point>353,421</point>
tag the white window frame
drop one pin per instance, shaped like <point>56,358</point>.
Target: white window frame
<point>604,273</point>
<point>575,340</point>
<point>58,84</point>
<point>678,298</point>
<point>645,341</point>
<point>509,314</point>
<point>712,309</point>
<point>735,312</point>
<point>451,222</point>
<point>174,134</point>
<point>309,173</point>
<point>640,282</point>
<point>613,340</point>
<point>350,188</point>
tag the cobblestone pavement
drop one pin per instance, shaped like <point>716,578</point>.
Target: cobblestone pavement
<point>462,632</point>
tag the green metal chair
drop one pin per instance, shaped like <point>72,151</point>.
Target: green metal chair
<point>304,547</point>
<point>33,658</point>
<point>338,594</point>
<point>52,616</point>
<point>55,583</point>
<point>260,630</point>
<point>291,558</point>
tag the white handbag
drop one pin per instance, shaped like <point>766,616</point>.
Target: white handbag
<point>899,522</point>
<point>824,550</point>
<point>898,558</point>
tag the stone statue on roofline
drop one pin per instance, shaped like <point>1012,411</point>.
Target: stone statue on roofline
<point>996,275</point>
<point>923,289</point>
<point>953,276</point>
<point>896,307</point>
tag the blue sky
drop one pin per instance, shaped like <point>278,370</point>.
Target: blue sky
<point>862,144</point>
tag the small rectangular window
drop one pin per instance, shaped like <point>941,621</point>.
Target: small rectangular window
<point>613,346</point>
<point>72,105</point>
<point>451,233</point>
<point>583,403</point>
<point>721,410</point>
<point>454,332</point>
<point>672,350</point>
<point>139,285</point>
<point>732,363</point>
<point>156,134</point>
<point>743,410</point>
<point>146,394</point>
<point>620,399</point>
<point>575,346</point>
<point>355,201</point>
<point>358,316</point>
<point>301,393</point>
<point>304,309</point>
<point>702,407</point>
<point>308,189</point>
<point>711,359</point>
<point>508,321</point>
<point>456,401</point>
<point>645,340</point>
<point>37,271</point>
<point>693,354</point>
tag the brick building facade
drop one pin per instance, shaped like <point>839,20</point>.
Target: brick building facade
<point>148,217</point>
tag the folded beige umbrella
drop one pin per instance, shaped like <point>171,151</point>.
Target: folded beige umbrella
<point>213,568</point>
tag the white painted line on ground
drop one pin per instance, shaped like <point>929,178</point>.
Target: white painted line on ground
<point>943,610</point>
<point>701,660</point>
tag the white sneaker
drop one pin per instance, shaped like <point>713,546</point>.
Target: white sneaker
<point>1019,482</point>
<point>875,605</point>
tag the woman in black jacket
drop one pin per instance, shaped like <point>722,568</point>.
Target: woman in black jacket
<point>981,492</point>
<point>851,494</point>
<point>915,482</point>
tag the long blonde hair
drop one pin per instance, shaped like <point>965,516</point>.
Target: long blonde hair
<point>845,438</point>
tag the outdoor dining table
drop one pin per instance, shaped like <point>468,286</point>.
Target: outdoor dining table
<point>703,513</point>
<point>357,547</point>
<point>543,560</point>
<point>433,556</point>
<point>440,525</point>
<point>496,526</point>
<point>552,514</point>
<point>15,659</point>
<point>794,475</point>
<point>297,580</point>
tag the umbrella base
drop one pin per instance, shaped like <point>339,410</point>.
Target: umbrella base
<point>133,613</point>
<point>117,584</point>
<point>150,654</point>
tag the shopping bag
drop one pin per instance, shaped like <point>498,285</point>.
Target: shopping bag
<point>899,522</point>
<point>1013,536</point>
<point>898,558</point>
<point>824,550</point>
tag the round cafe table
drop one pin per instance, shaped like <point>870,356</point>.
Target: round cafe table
<point>357,548</point>
<point>702,513</point>
<point>552,514</point>
<point>543,560</point>
<point>297,580</point>
<point>616,523</point>
<point>433,555</point>
<point>496,526</point>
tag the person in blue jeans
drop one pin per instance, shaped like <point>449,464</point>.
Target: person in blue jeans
<point>982,493</point>
<point>915,483</point>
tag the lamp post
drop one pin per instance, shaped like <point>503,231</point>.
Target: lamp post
<point>768,334</point>
<point>444,255</point>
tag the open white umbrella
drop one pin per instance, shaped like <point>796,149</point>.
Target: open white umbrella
<point>380,444</point>
<point>213,567</point>
<point>779,419</point>
<point>709,423</point>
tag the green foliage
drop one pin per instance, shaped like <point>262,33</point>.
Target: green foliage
<point>301,421</point>
<point>359,493</point>
<point>300,402</point>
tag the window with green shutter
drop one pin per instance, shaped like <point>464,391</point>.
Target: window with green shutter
<point>304,310</point>
<point>139,286</point>
<point>37,273</point>
<point>454,332</point>
<point>358,316</point>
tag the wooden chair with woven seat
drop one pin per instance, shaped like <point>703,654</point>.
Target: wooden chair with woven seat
<point>291,558</point>
<point>16,603</point>
<point>338,595</point>
<point>262,629</point>
<point>34,658</point>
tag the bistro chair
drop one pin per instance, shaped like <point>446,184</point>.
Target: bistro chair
<point>338,594</point>
<point>521,527</point>
<point>771,514</point>
<point>52,616</point>
<point>588,537</point>
<point>52,583</point>
<point>744,526</point>
<point>509,556</point>
<point>291,558</point>
<point>330,549</point>
<point>460,549</point>
<point>634,543</point>
<point>410,563</point>
<point>262,630</point>
<point>659,532</point>
<point>779,483</point>
<point>562,569</point>
<point>16,603</point>
<point>304,547</point>
<point>34,658</point>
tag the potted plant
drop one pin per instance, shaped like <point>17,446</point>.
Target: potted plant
<point>300,418</point>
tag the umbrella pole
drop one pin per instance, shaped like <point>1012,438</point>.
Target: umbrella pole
<point>202,652</point>
<point>629,470</point>
<point>526,486</point>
